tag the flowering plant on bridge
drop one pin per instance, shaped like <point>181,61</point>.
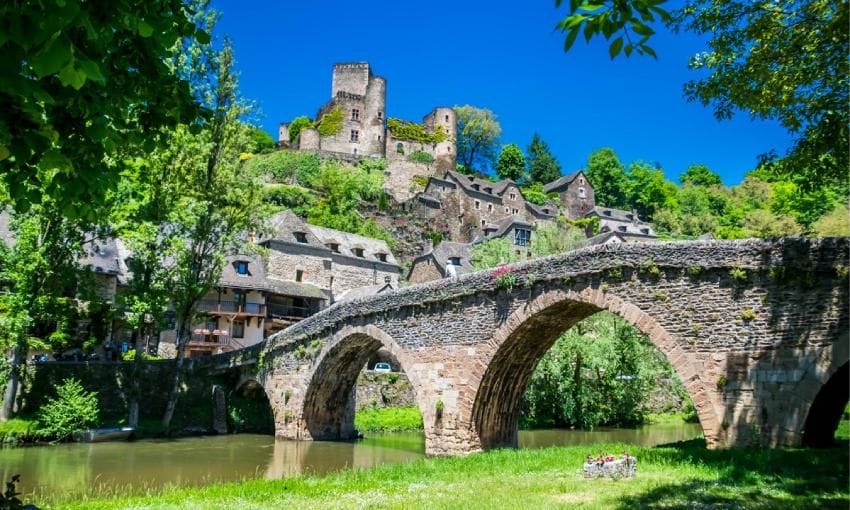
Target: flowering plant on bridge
<point>504,277</point>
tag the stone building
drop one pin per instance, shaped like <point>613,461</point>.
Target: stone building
<point>465,207</point>
<point>358,100</point>
<point>331,260</point>
<point>625,223</point>
<point>433,264</point>
<point>576,194</point>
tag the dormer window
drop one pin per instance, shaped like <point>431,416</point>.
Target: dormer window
<point>241,268</point>
<point>545,211</point>
<point>334,247</point>
<point>381,256</point>
<point>582,193</point>
<point>622,228</point>
<point>455,261</point>
<point>301,237</point>
<point>645,231</point>
<point>630,216</point>
<point>489,190</point>
<point>606,212</point>
<point>358,252</point>
<point>476,187</point>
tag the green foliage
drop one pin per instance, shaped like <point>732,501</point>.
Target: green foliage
<point>505,278</point>
<point>478,137</point>
<point>546,239</point>
<point>420,181</point>
<point>834,223</point>
<point>289,167</point>
<point>131,355</point>
<point>261,141</point>
<point>660,295</point>
<point>722,381</point>
<point>85,81</point>
<point>797,47</point>
<point>300,200</point>
<point>628,20</point>
<point>421,157</point>
<point>511,163</point>
<point>534,194</point>
<point>599,372</point>
<point>331,122</point>
<point>414,132</point>
<point>694,271</point>
<point>72,410</point>
<point>439,406</point>
<point>543,168</point>
<point>748,314</point>
<point>738,274</point>
<point>435,237</point>
<point>650,268</point>
<point>608,177</point>
<point>297,124</point>
<point>699,175</point>
<point>388,419</point>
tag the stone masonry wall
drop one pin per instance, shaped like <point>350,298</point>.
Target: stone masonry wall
<point>753,328</point>
<point>379,390</point>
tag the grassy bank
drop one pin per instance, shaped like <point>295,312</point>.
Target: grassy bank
<point>673,476</point>
<point>388,419</point>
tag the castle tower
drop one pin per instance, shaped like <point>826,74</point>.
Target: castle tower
<point>445,151</point>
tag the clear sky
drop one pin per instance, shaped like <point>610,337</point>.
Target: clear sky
<point>504,56</point>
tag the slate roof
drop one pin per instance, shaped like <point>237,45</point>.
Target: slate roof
<point>560,182</point>
<point>468,182</point>
<point>501,227</point>
<point>102,255</point>
<point>445,251</point>
<point>614,214</point>
<point>289,288</point>
<point>603,238</point>
<point>361,292</point>
<point>284,225</point>
<point>538,210</point>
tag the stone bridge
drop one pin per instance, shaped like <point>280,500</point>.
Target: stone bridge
<point>757,330</point>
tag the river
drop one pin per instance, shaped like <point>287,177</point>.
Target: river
<point>64,471</point>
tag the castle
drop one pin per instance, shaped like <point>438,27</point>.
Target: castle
<point>353,124</point>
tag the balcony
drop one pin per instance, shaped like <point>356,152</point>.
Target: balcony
<point>207,338</point>
<point>288,312</point>
<point>232,308</point>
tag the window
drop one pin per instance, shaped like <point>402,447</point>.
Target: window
<point>645,231</point>
<point>355,151</point>
<point>358,252</point>
<point>380,115</point>
<point>513,196</point>
<point>489,207</point>
<point>606,212</point>
<point>507,210</point>
<point>381,256</point>
<point>334,247</point>
<point>460,220</point>
<point>379,138</point>
<point>355,136</point>
<point>238,329</point>
<point>581,181</point>
<point>299,275</point>
<point>489,190</point>
<point>211,324</point>
<point>326,265</point>
<point>240,298</point>
<point>477,205</point>
<point>242,268</point>
<point>399,147</point>
<point>630,216</point>
<point>448,149</point>
<point>301,237</point>
<point>476,187</point>
<point>545,211</point>
<point>522,237</point>
<point>515,211</point>
<point>447,118</point>
<point>355,114</point>
<point>483,223</point>
<point>582,193</point>
<point>455,261</point>
<point>622,228</point>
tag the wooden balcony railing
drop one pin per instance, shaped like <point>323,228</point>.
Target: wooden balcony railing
<point>232,307</point>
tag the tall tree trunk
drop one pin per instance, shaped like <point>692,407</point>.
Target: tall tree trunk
<point>577,390</point>
<point>12,384</point>
<point>135,389</point>
<point>183,328</point>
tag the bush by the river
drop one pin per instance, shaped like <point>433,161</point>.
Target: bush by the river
<point>73,409</point>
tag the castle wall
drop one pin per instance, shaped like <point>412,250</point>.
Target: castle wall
<point>309,140</point>
<point>350,77</point>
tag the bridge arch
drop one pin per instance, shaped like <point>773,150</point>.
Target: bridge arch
<point>328,407</point>
<point>827,395</point>
<point>529,332</point>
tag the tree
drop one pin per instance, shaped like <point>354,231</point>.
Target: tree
<point>648,190</point>
<point>40,276</point>
<point>699,175</point>
<point>834,223</point>
<point>478,134</point>
<point>219,199</point>
<point>542,165</point>
<point>511,164</point>
<point>297,124</point>
<point>608,177</point>
<point>82,80</point>
<point>795,48</point>
<point>262,142</point>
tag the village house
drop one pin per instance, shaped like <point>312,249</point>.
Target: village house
<point>575,193</point>
<point>625,223</point>
<point>434,263</point>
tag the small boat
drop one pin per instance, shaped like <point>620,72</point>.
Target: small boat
<point>101,435</point>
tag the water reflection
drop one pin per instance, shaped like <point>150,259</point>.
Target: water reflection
<point>65,471</point>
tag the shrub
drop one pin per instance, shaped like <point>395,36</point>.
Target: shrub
<point>74,409</point>
<point>651,268</point>
<point>131,356</point>
<point>738,274</point>
<point>297,125</point>
<point>331,122</point>
<point>694,271</point>
<point>405,130</point>
<point>421,157</point>
<point>748,314</point>
<point>660,295</point>
<point>504,277</point>
<point>296,198</point>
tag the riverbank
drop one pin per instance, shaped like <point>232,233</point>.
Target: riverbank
<point>672,476</point>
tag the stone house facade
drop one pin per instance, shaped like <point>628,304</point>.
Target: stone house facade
<point>433,264</point>
<point>576,194</point>
<point>360,96</point>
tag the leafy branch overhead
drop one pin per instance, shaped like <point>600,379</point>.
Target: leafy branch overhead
<point>627,19</point>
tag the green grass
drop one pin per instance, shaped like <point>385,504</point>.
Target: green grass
<point>19,430</point>
<point>684,475</point>
<point>388,419</point>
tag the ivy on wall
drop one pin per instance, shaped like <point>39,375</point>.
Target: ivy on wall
<point>331,123</point>
<point>406,130</point>
<point>421,157</point>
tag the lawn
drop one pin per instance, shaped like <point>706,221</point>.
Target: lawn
<point>682,475</point>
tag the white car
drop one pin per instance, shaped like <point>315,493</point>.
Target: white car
<point>382,367</point>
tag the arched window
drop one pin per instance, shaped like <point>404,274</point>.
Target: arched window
<point>399,147</point>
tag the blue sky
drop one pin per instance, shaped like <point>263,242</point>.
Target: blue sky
<point>500,55</point>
